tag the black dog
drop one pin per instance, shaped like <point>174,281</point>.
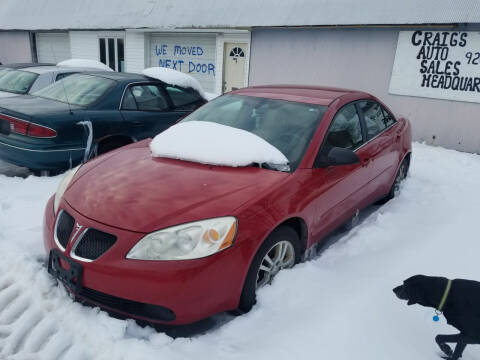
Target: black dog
<point>458,299</point>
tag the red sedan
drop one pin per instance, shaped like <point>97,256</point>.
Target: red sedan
<point>174,241</point>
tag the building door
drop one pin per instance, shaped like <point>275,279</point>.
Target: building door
<point>234,66</point>
<point>52,47</point>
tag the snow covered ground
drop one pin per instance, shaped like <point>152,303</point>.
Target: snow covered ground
<point>337,306</point>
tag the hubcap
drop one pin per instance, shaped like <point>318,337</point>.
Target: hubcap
<point>280,256</point>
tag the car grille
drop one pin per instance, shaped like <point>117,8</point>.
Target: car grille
<point>64,228</point>
<point>93,244</point>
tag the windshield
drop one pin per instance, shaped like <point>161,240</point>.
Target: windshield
<point>16,81</point>
<point>3,71</point>
<point>289,126</point>
<point>78,89</point>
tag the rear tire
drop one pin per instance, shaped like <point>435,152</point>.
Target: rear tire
<point>281,250</point>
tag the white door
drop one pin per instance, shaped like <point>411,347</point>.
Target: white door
<point>193,54</point>
<point>234,60</point>
<point>52,47</point>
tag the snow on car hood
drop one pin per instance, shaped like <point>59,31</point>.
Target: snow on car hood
<point>177,78</point>
<point>215,144</point>
<point>137,192</point>
<point>85,63</point>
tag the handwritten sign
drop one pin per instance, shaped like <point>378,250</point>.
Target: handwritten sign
<point>437,64</point>
<point>179,58</point>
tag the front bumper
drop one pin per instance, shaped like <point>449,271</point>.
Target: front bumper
<point>37,158</point>
<point>152,291</point>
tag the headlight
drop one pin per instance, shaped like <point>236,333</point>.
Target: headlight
<point>63,186</point>
<point>188,241</point>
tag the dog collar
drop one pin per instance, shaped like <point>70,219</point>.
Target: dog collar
<point>439,310</point>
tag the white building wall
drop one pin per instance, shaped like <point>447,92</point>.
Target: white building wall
<point>360,59</point>
<point>84,45</point>
<point>52,47</point>
<point>15,47</point>
<point>135,49</point>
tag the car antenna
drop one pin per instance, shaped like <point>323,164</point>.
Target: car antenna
<point>61,81</point>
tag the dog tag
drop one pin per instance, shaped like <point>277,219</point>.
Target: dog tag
<point>435,318</point>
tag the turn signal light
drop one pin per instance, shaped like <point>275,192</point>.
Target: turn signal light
<point>228,241</point>
<point>27,128</point>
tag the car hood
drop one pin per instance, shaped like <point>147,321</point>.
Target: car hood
<point>134,191</point>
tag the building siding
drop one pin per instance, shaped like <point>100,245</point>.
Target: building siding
<point>53,47</point>
<point>15,47</point>
<point>135,48</point>
<point>361,60</point>
<point>84,45</point>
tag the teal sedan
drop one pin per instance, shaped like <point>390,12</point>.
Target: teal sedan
<point>88,114</point>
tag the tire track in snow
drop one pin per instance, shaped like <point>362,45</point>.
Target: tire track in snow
<point>6,283</point>
<point>40,336</point>
<point>13,312</point>
<point>7,298</point>
<point>22,331</point>
<point>26,331</point>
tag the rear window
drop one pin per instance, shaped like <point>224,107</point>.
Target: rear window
<point>78,89</point>
<point>183,99</point>
<point>17,81</point>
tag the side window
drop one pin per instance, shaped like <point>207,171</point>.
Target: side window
<point>389,119</point>
<point>375,118</point>
<point>183,99</point>
<point>345,130</point>
<point>129,101</point>
<point>149,98</point>
<point>63,75</point>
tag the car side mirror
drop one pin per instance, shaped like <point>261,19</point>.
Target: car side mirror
<point>336,156</point>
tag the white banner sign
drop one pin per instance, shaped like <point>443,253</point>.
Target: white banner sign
<point>437,64</point>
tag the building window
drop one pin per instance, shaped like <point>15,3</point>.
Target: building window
<point>112,53</point>
<point>237,52</point>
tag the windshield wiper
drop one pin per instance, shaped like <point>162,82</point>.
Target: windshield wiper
<point>271,166</point>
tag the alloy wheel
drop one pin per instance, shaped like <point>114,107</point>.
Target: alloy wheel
<point>280,256</point>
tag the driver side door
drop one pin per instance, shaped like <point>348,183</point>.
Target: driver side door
<point>341,189</point>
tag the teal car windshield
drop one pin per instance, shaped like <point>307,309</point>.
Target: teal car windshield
<point>287,125</point>
<point>17,81</point>
<point>3,71</point>
<point>78,89</point>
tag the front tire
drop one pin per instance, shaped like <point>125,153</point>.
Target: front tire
<point>281,250</point>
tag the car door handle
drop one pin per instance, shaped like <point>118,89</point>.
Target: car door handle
<point>137,123</point>
<point>365,162</point>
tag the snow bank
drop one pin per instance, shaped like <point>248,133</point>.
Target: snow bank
<point>339,306</point>
<point>175,77</point>
<point>85,63</point>
<point>215,144</point>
